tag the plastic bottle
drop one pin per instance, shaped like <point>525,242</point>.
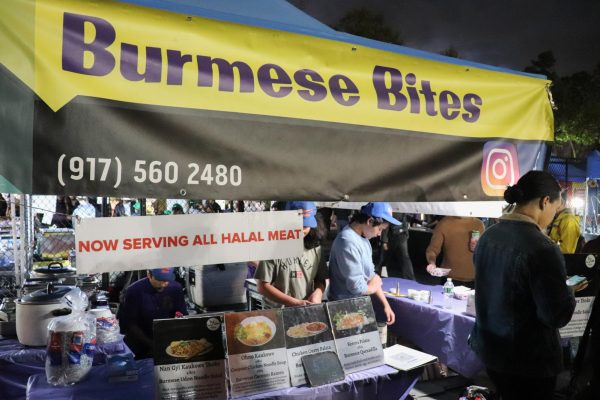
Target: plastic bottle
<point>448,293</point>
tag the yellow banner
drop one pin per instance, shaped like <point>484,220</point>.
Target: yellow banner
<point>123,52</point>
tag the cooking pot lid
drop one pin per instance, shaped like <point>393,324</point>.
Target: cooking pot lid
<point>55,268</point>
<point>51,294</point>
<point>40,281</point>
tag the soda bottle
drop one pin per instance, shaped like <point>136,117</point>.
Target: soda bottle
<point>448,293</point>
<point>473,241</point>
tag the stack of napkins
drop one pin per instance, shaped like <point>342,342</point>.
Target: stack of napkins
<point>420,295</point>
<point>462,292</point>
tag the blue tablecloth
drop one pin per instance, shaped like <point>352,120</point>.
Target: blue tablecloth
<point>436,330</point>
<point>18,362</point>
<point>377,383</point>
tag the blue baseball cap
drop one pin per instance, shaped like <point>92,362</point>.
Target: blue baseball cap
<point>309,210</point>
<point>163,274</point>
<point>379,209</point>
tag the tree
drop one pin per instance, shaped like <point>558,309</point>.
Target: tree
<point>577,98</point>
<point>365,23</point>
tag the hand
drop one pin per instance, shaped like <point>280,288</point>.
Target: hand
<point>389,315</point>
<point>316,297</point>
<point>385,247</point>
<point>299,303</point>
<point>431,268</point>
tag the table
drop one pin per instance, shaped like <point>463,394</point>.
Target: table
<point>436,330</point>
<point>18,362</point>
<point>382,382</point>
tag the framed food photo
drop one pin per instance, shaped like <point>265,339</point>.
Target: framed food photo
<point>256,351</point>
<point>189,357</point>
<point>307,331</point>
<point>355,331</point>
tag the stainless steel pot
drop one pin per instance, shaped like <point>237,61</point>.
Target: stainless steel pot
<point>35,310</point>
<point>8,309</point>
<point>88,284</point>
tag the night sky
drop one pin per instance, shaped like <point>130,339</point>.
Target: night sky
<point>507,33</point>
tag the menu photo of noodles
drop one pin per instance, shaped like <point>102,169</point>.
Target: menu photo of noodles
<point>193,345</point>
<point>188,348</point>
<point>256,352</point>
<point>254,331</point>
<point>193,338</point>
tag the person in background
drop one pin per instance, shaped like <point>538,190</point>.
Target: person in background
<point>64,208</point>
<point>522,298</point>
<point>565,229</point>
<point>119,210</point>
<point>342,218</point>
<point>83,210</point>
<point>452,236</point>
<point>177,209</point>
<point>351,268</point>
<point>3,206</point>
<point>296,281</point>
<point>394,243</point>
<point>154,297</point>
<point>159,206</point>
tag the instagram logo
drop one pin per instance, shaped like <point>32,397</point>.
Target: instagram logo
<point>500,167</point>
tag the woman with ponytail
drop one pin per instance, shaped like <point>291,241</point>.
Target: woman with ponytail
<point>521,295</point>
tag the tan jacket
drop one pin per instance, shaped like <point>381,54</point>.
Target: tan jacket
<point>452,236</point>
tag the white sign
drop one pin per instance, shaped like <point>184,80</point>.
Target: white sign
<point>133,243</point>
<point>581,315</point>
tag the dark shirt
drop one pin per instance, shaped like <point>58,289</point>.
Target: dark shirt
<point>521,300</point>
<point>593,246</point>
<point>143,304</point>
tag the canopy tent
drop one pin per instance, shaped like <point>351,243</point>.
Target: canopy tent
<point>250,100</point>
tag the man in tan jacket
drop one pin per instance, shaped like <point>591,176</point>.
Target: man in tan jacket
<point>452,236</point>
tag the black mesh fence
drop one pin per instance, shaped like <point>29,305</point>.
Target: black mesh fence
<point>52,221</point>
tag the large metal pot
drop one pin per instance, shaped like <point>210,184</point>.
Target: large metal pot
<point>35,310</point>
<point>88,284</point>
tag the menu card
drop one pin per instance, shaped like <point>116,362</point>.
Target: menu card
<point>257,354</point>
<point>189,358</point>
<point>355,332</point>
<point>307,331</point>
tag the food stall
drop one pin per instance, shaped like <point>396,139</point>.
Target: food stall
<point>251,100</point>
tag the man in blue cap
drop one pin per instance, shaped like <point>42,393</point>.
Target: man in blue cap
<point>155,297</point>
<point>296,281</point>
<point>351,268</point>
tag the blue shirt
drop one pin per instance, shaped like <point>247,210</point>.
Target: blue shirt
<point>350,265</point>
<point>143,304</point>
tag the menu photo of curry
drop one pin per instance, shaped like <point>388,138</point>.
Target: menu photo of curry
<point>253,331</point>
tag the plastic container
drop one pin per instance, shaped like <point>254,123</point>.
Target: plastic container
<point>71,343</point>
<point>448,293</point>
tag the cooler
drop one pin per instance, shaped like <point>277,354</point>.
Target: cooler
<point>217,285</point>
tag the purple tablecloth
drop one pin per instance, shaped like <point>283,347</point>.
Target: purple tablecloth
<point>18,362</point>
<point>377,383</point>
<point>436,330</point>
